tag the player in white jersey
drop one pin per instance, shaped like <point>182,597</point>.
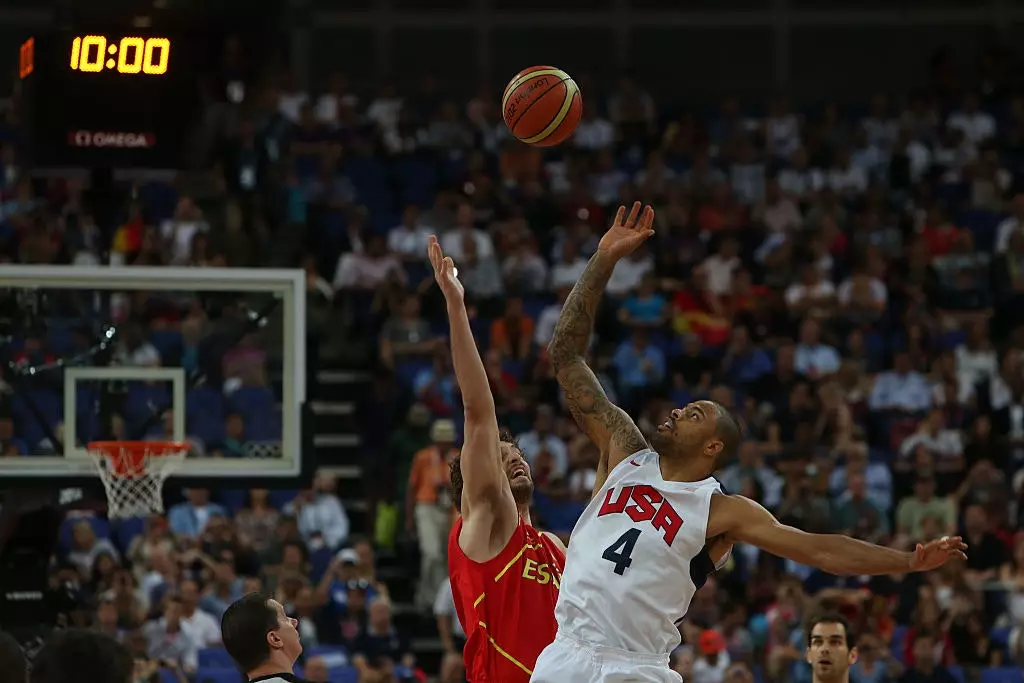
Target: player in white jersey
<point>659,522</point>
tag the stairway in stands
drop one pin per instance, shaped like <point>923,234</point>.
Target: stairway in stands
<point>338,391</point>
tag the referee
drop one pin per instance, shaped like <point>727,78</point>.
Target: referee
<point>829,648</point>
<point>262,639</point>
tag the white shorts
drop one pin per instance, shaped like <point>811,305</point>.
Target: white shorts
<point>571,660</point>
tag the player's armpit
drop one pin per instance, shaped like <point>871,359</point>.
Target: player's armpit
<point>607,425</point>
<point>556,540</point>
<point>743,520</point>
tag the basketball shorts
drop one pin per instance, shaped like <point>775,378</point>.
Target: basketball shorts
<point>570,660</point>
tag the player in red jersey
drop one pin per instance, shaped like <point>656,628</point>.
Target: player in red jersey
<point>504,572</point>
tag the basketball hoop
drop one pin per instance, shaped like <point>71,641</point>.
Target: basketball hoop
<point>133,473</point>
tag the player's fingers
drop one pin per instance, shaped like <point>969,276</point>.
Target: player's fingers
<point>962,555</point>
<point>618,215</point>
<point>633,214</point>
<point>449,266</point>
<point>647,220</point>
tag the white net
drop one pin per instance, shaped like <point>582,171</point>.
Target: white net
<point>133,474</point>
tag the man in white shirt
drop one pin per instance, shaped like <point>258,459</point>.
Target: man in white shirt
<point>408,240</point>
<point>321,517</point>
<point>901,388</point>
<point>628,273</point>
<point>814,359</point>
<point>593,132</point>
<point>976,125</point>
<point>200,626</point>
<point>568,270</point>
<point>1011,225</point>
<point>721,265</point>
<point>451,241</point>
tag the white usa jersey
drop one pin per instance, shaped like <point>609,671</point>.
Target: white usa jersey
<point>635,559</point>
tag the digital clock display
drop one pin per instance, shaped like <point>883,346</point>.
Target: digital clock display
<point>128,55</point>
<point>102,98</point>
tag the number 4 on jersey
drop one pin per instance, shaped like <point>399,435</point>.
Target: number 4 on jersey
<point>621,551</point>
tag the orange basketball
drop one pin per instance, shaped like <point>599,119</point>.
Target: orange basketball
<point>542,106</point>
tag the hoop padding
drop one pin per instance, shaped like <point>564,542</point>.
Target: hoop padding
<point>133,473</point>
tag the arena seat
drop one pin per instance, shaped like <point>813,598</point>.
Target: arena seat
<point>957,672</point>
<point>126,530</point>
<point>334,656</point>
<point>215,658</point>
<point>219,676</point>
<point>1006,674</point>
<point>100,527</point>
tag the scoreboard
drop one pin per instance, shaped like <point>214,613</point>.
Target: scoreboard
<point>110,99</point>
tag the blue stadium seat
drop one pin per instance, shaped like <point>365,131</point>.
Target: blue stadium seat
<point>899,637</point>
<point>233,499</point>
<point>1004,674</point>
<point>278,498</point>
<point>219,675</point>
<point>334,656</point>
<point>167,342</point>
<point>126,530</point>
<point>215,658</point>
<point>957,672</point>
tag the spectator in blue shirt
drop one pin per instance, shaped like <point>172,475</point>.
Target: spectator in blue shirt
<point>190,518</point>
<point>646,307</point>
<point>744,363</point>
<point>640,366</point>
<point>814,359</point>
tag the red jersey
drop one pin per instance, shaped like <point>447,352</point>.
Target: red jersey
<point>506,605</point>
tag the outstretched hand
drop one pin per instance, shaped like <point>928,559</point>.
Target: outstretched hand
<point>628,231</point>
<point>934,554</point>
<point>445,273</point>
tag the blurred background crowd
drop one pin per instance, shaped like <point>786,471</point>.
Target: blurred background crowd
<point>847,279</point>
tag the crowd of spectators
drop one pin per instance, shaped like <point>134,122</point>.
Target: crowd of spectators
<point>846,279</point>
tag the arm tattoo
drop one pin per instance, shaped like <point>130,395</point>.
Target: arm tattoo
<point>602,421</point>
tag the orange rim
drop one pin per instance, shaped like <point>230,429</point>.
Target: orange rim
<point>128,458</point>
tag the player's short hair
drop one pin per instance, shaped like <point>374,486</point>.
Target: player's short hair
<point>74,655</point>
<point>455,468</point>
<point>12,658</point>
<point>729,431</point>
<point>833,618</point>
<point>244,628</point>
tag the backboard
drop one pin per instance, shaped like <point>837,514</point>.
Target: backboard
<point>212,356</point>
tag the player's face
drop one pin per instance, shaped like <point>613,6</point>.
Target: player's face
<point>286,636</point>
<point>828,653</point>
<point>686,430</point>
<point>518,472</point>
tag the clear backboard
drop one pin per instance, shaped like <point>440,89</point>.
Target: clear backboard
<point>215,357</point>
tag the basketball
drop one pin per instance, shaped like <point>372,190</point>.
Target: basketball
<point>542,106</point>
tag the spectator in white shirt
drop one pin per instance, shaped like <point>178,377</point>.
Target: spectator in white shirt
<point>881,127</point>
<point>901,389</point>
<point>368,269</point>
<point>778,212</point>
<point>167,640</point>
<point>202,628</point>
<point>976,360</point>
<point>862,297</point>
<point>524,269</point>
<point>542,439</point>
<point>570,267</point>
<point>799,181</point>
<point>976,125</point>
<point>321,517</point>
<point>1011,225</point>
<point>179,230</point>
<point>133,349</point>
<point>629,271</point>
<point>936,436</point>
<point>338,97</point>
<point>781,129</point>
<point>844,177</point>
<point>291,98</point>
<point>408,239</point>
<point>452,241</point>
<point>607,181</point>
<point>813,295</point>
<point>594,132</point>
<point>385,108</point>
<point>721,265</point>
<point>812,358</point>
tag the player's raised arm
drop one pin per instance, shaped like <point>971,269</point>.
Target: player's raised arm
<point>484,484</point>
<point>607,425</point>
<point>741,519</point>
